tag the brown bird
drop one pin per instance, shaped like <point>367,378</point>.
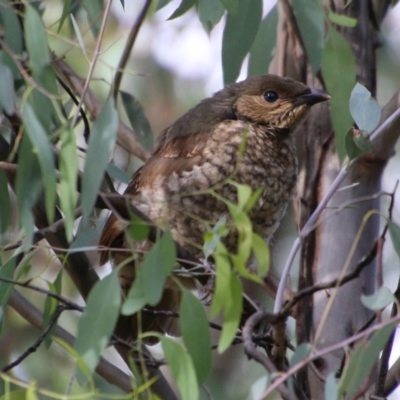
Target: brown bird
<point>200,151</point>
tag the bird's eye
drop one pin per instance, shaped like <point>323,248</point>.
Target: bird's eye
<point>271,96</point>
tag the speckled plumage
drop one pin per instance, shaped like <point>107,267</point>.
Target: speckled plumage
<point>200,151</point>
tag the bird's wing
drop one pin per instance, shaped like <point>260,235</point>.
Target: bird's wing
<point>172,155</point>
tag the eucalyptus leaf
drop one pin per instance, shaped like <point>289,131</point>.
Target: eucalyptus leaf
<point>101,143</point>
<point>232,314</point>
<point>196,334</point>
<point>394,231</point>
<point>43,149</point>
<point>261,52</point>
<point>5,209</point>
<point>117,173</point>
<point>342,20</point>
<point>364,108</point>
<point>98,320</point>
<point>210,12</point>
<point>352,150</point>
<point>185,5</point>
<point>138,120</point>
<point>94,9</point>
<point>68,166</point>
<point>232,6</point>
<point>310,18</point>
<point>65,12</point>
<point>331,387</point>
<point>379,300</point>
<point>262,254</point>
<point>7,94</point>
<point>339,72</point>
<point>239,34</point>
<point>300,354</point>
<point>182,369</point>
<point>139,229</point>
<point>36,40</point>
<point>12,34</point>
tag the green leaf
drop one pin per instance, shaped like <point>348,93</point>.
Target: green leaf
<point>213,237</point>
<point>29,186</point>
<point>239,34</point>
<point>339,71</point>
<point>379,300</point>
<point>101,144</point>
<point>232,6</point>
<point>232,314</point>
<point>12,34</point>
<point>94,9</point>
<point>356,143</point>
<point>394,231</point>
<point>117,173</point>
<point>331,387</point>
<point>264,45</point>
<point>210,12</point>
<point>6,271</point>
<point>149,283</point>
<point>50,307</point>
<point>182,368</point>
<point>183,7</point>
<point>364,108</point>
<point>300,354</point>
<point>14,395</point>
<point>262,254</point>
<point>222,280</point>
<point>138,120</point>
<point>5,209</point>
<point>7,95</point>
<point>65,12</point>
<point>342,20</point>
<point>363,360</point>
<point>68,180</point>
<point>196,335</point>
<point>88,234</point>
<point>310,18</point>
<point>139,229</point>
<point>98,320</point>
<point>36,40</point>
<point>78,35</point>
<point>42,147</point>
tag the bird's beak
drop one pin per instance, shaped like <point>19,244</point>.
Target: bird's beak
<point>311,97</point>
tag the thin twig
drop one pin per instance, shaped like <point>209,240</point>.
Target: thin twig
<point>320,353</point>
<point>252,351</point>
<point>71,305</point>
<point>94,60</point>
<point>39,341</point>
<point>128,48</point>
<point>307,228</point>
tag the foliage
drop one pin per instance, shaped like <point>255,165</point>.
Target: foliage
<point>56,167</point>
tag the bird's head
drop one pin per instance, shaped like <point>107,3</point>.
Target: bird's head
<point>273,100</point>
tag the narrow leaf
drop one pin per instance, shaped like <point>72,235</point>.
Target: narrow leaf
<point>98,320</point>
<point>78,35</point>
<point>42,146</point>
<point>300,354</point>
<point>5,209</point>
<point>342,20</point>
<point>94,9</point>
<point>138,120</point>
<point>331,387</point>
<point>36,40</point>
<point>339,71</point>
<point>310,18</point>
<point>65,12</point>
<point>239,34</point>
<point>182,369</point>
<point>183,7</point>
<point>196,334</point>
<point>68,181</point>
<point>262,254</point>
<point>7,94</point>
<point>232,314</point>
<point>117,173</point>
<point>394,231</point>
<point>232,6</point>
<point>101,143</point>
<point>262,50</point>
<point>210,12</point>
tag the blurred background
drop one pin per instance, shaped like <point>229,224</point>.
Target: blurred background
<point>173,66</point>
